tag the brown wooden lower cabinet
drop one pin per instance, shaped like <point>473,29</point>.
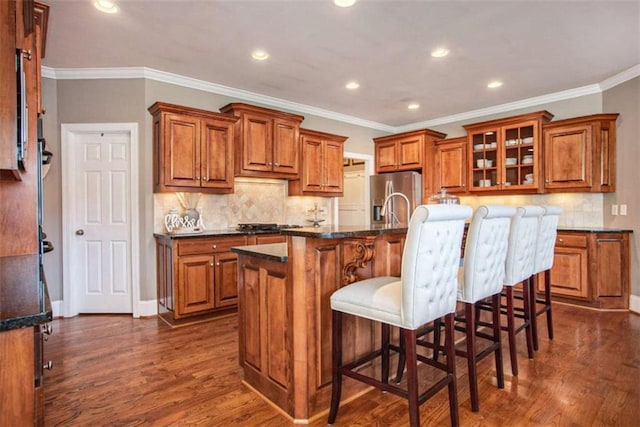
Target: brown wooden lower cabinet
<point>198,276</point>
<point>591,269</point>
<point>21,376</point>
<point>285,317</point>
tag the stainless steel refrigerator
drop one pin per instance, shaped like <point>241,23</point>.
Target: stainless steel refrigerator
<point>392,194</point>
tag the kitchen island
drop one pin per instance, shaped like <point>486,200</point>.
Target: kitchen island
<point>285,314</point>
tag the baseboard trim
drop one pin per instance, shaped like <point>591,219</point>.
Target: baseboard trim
<point>634,304</point>
<point>147,308</point>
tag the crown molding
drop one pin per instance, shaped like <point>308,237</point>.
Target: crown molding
<point>503,108</point>
<point>179,80</point>
<point>176,79</point>
<point>619,78</point>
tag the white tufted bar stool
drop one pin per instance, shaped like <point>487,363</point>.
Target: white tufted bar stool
<point>519,265</point>
<point>425,291</point>
<point>482,276</point>
<point>543,262</point>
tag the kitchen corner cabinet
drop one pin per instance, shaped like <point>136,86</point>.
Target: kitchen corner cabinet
<point>450,167</point>
<point>591,269</point>
<point>192,149</point>
<point>196,276</point>
<point>580,154</point>
<point>506,154</point>
<point>266,142</point>
<point>322,165</point>
<point>404,151</point>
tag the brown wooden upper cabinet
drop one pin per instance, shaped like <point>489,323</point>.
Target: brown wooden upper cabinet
<point>450,166</point>
<point>580,154</point>
<point>192,149</point>
<point>404,151</point>
<point>322,165</point>
<point>266,142</point>
<point>506,154</point>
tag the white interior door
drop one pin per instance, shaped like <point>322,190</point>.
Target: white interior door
<point>352,206</point>
<point>98,228</point>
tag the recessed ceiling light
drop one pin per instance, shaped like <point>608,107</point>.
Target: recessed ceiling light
<point>259,55</point>
<point>106,6</point>
<point>440,52</point>
<point>413,106</point>
<point>352,85</point>
<point>344,3</point>
<point>494,84</point>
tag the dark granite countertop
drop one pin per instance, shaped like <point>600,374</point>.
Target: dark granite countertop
<point>340,232</point>
<point>271,251</point>
<point>24,300</point>
<point>595,229</point>
<point>216,233</point>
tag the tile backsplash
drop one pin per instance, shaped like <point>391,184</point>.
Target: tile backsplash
<point>264,200</point>
<point>579,209</point>
<point>253,200</point>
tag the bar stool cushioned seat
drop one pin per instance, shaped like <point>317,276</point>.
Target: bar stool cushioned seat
<point>425,291</point>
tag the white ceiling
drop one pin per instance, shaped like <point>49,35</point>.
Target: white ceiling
<point>536,47</point>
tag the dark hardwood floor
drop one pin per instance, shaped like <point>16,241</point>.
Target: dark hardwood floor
<point>119,371</point>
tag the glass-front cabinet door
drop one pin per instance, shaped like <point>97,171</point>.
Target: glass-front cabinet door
<point>521,154</point>
<point>484,160</point>
<point>506,154</point>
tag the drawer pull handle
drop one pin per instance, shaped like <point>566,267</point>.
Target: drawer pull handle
<point>48,366</point>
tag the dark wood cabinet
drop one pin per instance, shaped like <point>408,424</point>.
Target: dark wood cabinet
<point>193,149</point>
<point>592,269</point>
<point>580,154</point>
<point>266,142</point>
<point>322,165</point>
<point>404,151</point>
<point>196,276</point>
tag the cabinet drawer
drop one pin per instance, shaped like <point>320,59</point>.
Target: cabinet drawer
<point>206,246</point>
<point>573,240</point>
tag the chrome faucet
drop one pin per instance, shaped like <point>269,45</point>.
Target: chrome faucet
<point>392,214</point>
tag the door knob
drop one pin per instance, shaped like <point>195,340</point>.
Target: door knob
<point>80,232</point>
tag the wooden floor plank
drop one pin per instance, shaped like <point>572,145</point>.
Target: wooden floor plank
<point>119,371</point>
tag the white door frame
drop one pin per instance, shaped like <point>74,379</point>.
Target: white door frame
<point>68,304</point>
<point>368,171</point>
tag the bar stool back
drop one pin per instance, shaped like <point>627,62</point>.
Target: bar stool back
<point>425,291</point>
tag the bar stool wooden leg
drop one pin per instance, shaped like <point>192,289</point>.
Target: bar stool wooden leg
<point>336,354</point>
<point>511,331</point>
<point>526,290</point>
<point>386,334</point>
<point>547,300</point>
<point>412,376</point>
<point>533,312</point>
<point>450,352</point>
<point>497,331</point>
<point>472,360</point>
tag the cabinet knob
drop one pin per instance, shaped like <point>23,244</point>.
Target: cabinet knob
<point>206,179</point>
<point>211,265</point>
<point>197,178</point>
<point>217,264</point>
<point>561,240</point>
<point>26,54</point>
<point>48,366</point>
<point>277,164</point>
<point>214,246</point>
<point>46,329</point>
